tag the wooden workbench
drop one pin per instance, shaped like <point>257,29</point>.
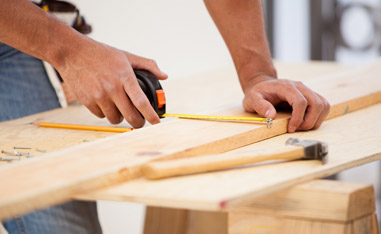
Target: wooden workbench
<point>206,90</point>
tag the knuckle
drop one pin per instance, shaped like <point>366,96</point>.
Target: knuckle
<point>327,106</point>
<point>152,62</point>
<point>127,81</point>
<point>301,102</point>
<point>86,102</point>
<point>99,95</point>
<point>289,86</point>
<point>110,88</point>
<point>287,82</point>
<point>140,102</point>
<point>293,82</point>
<point>319,105</point>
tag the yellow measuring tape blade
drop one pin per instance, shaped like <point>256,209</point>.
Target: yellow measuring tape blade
<point>229,118</point>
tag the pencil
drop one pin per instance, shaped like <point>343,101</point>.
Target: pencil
<point>82,127</point>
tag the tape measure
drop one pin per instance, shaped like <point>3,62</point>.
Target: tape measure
<point>156,96</point>
<point>153,90</point>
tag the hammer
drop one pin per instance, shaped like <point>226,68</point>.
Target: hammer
<point>294,149</point>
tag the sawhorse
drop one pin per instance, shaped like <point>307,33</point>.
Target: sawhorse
<point>316,207</point>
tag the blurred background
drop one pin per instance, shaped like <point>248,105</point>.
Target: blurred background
<point>182,38</point>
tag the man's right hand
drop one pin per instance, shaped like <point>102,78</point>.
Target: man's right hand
<point>100,76</point>
<point>102,79</point>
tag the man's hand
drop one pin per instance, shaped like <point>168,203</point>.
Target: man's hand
<point>100,76</point>
<point>241,24</point>
<point>102,79</point>
<point>309,109</point>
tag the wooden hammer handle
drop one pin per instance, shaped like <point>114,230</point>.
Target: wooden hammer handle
<point>162,169</point>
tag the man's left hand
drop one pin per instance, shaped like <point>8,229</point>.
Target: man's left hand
<point>309,109</point>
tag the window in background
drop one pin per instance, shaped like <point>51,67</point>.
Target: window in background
<point>345,30</point>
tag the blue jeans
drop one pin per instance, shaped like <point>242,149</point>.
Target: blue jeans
<point>25,89</point>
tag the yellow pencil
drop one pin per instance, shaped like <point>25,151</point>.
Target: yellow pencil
<point>82,127</point>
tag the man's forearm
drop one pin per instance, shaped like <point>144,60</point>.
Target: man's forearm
<point>241,25</point>
<point>28,28</point>
<point>101,77</point>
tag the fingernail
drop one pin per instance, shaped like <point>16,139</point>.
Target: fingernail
<point>267,113</point>
<point>292,129</point>
<point>156,121</point>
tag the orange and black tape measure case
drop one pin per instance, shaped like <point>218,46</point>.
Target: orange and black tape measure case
<point>152,89</point>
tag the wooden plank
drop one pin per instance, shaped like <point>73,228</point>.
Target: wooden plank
<point>366,224</point>
<point>362,225</point>
<point>173,221</point>
<point>207,222</point>
<point>57,176</point>
<point>168,221</point>
<point>248,222</point>
<point>252,222</point>
<point>296,226</point>
<point>374,223</point>
<point>348,147</point>
<point>318,199</point>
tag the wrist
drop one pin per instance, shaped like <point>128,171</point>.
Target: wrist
<point>250,82</point>
<point>255,69</point>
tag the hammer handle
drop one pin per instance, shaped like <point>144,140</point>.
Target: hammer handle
<point>163,169</point>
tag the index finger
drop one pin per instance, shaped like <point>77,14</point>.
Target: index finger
<point>140,100</point>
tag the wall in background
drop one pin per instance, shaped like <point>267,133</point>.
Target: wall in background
<point>358,30</point>
<point>179,35</point>
<point>291,30</point>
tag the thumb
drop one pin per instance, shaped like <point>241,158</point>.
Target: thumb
<point>256,103</point>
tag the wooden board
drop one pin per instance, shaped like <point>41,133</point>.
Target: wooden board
<point>175,221</point>
<point>58,176</point>
<point>329,200</point>
<point>320,206</point>
<point>352,142</point>
<point>324,201</point>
